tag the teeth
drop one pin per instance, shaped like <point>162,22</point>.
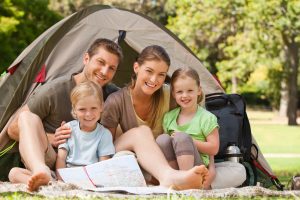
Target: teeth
<point>150,85</point>
<point>100,77</point>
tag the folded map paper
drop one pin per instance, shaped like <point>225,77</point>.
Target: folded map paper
<point>122,171</point>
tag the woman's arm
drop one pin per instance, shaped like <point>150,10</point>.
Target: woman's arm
<point>113,132</point>
<point>211,146</point>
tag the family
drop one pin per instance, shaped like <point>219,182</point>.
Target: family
<point>173,137</point>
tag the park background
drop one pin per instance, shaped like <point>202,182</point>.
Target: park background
<point>251,46</point>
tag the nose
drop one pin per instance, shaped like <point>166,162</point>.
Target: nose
<point>104,70</point>
<point>153,78</point>
<point>88,113</point>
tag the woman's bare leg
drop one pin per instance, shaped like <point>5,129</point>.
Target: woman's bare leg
<point>141,141</point>
<point>33,144</point>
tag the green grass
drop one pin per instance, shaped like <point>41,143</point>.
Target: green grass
<point>285,164</point>
<point>272,134</point>
<point>276,138</point>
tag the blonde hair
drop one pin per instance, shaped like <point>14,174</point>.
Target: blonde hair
<point>150,53</point>
<point>187,72</point>
<point>85,89</point>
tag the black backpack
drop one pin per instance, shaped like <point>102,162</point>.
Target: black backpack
<point>230,110</point>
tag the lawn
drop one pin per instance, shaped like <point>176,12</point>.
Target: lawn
<point>275,137</point>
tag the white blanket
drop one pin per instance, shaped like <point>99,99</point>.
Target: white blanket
<point>59,189</point>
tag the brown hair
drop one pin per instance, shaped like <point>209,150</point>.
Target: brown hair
<point>85,89</point>
<point>150,53</point>
<point>106,44</point>
<point>187,72</point>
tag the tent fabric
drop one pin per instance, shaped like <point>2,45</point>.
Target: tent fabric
<point>60,50</point>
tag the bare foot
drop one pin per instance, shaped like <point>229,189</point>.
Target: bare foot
<point>191,179</point>
<point>37,180</point>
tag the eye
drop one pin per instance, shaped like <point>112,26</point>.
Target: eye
<point>101,62</point>
<point>178,92</point>
<point>190,90</point>
<point>162,75</point>
<point>112,69</point>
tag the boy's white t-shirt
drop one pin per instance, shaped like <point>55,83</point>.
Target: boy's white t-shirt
<point>85,148</point>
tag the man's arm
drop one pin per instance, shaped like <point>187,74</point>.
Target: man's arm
<point>61,135</point>
<point>13,127</point>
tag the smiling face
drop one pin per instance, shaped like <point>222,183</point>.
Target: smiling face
<point>88,111</point>
<point>186,91</point>
<point>150,75</point>
<point>101,67</point>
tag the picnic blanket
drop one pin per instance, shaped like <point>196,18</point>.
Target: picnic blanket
<point>60,189</point>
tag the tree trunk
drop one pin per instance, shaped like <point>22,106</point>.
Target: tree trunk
<point>284,98</point>
<point>234,84</point>
<point>292,56</point>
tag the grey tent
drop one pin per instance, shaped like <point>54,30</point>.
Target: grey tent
<point>58,51</point>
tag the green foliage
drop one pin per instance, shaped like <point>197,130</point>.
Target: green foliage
<point>236,38</point>
<point>21,22</point>
<point>9,15</point>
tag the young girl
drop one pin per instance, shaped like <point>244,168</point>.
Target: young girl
<point>140,106</point>
<point>90,142</point>
<point>189,128</point>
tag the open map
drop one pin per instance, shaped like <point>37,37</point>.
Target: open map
<point>115,172</point>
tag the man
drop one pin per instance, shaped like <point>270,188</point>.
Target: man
<point>34,126</point>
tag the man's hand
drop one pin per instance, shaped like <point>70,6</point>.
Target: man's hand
<point>61,134</point>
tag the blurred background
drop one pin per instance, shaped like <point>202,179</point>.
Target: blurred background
<point>251,46</point>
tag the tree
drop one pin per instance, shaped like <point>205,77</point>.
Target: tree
<point>25,21</point>
<point>237,37</point>
<point>278,27</point>
<point>217,31</point>
<point>9,15</point>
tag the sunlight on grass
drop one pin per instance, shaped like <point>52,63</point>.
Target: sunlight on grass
<point>272,135</point>
<point>291,165</point>
<point>260,115</point>
<point>273,138</point>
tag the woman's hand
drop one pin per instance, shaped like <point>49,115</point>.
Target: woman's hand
<point>61,134</point>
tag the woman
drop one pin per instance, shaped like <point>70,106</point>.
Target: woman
<point>144,103</point>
